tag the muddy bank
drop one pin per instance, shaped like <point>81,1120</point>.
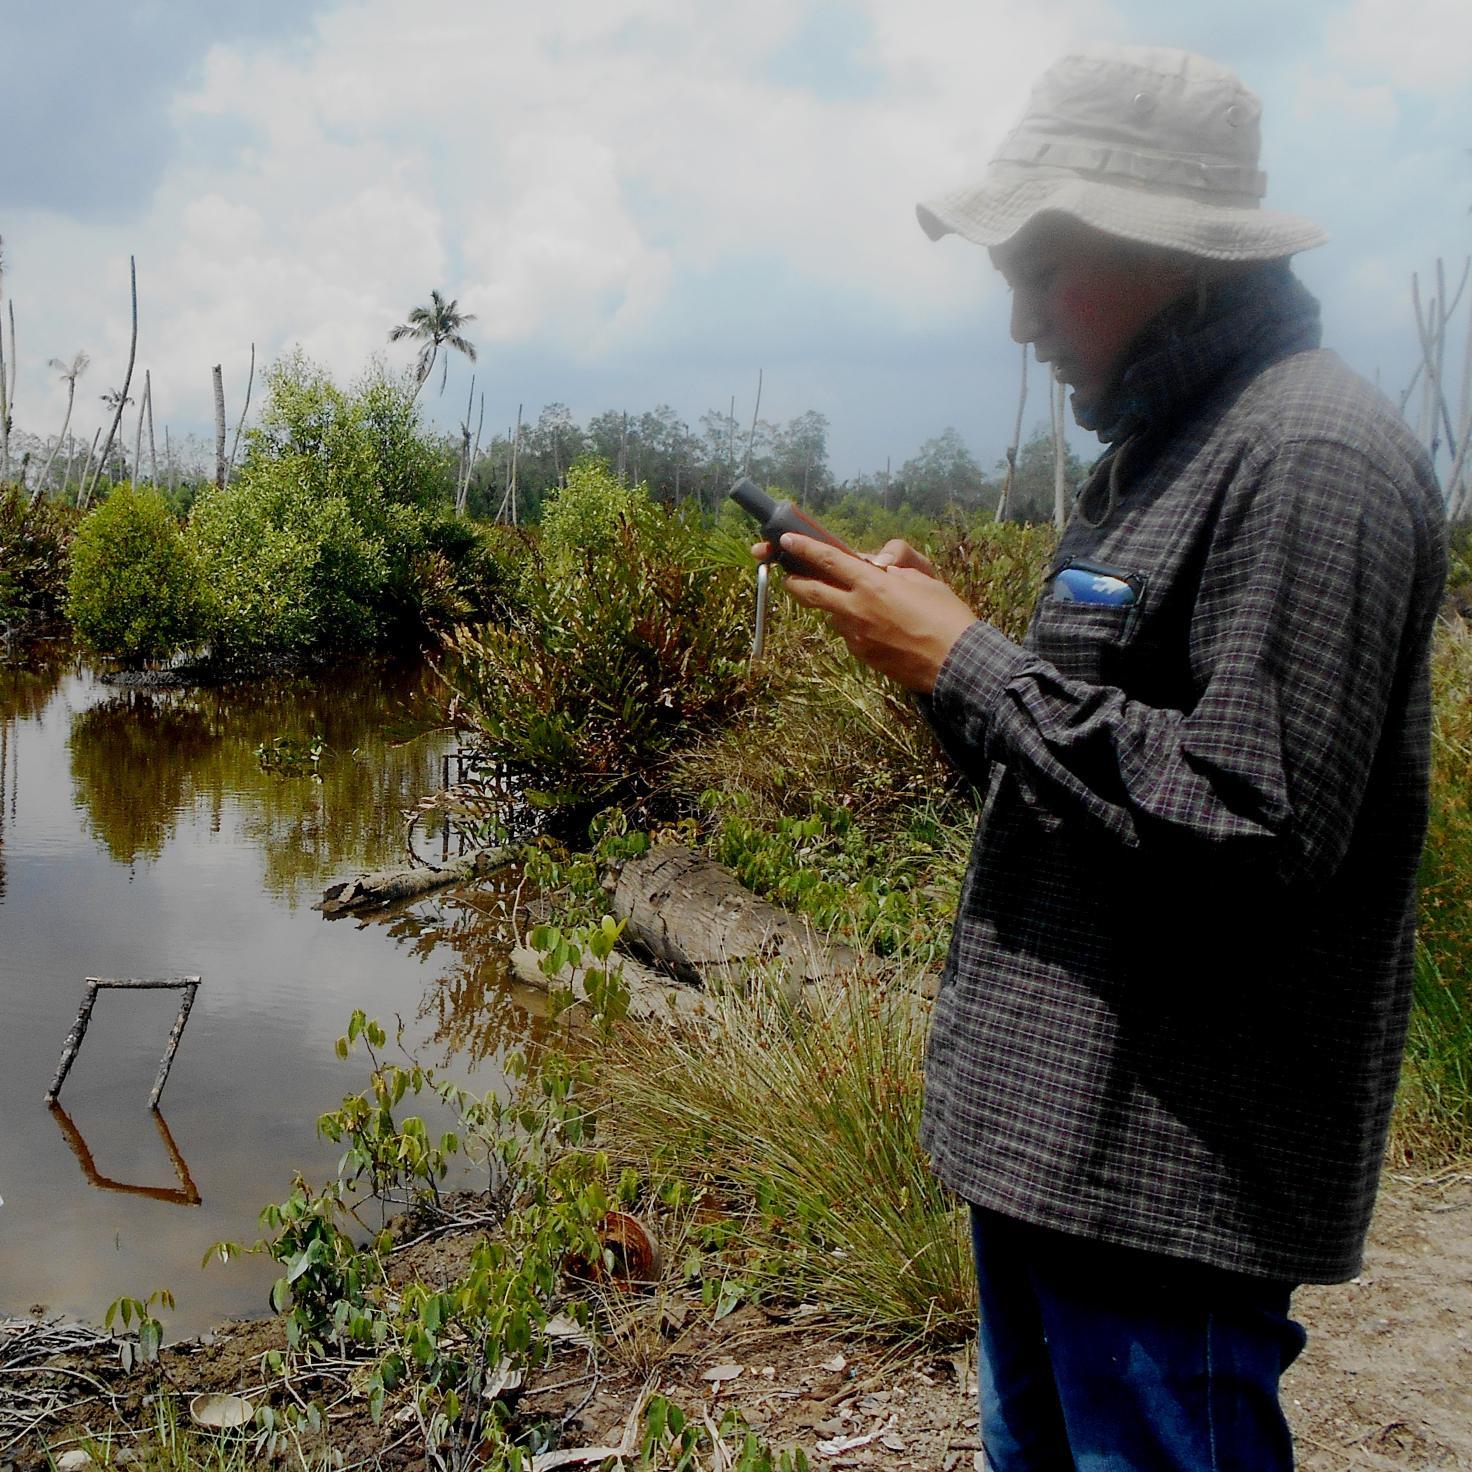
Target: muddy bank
<point>1386,1380</point>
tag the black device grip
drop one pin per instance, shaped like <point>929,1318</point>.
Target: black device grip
<point>777,517</point>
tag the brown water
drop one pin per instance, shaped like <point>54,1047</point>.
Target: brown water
<point>140,836</point>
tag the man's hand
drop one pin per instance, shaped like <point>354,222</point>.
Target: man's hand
<point>899,553</point>
<point>890,609</point>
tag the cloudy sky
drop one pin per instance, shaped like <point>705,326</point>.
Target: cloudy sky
<point>646,201</point>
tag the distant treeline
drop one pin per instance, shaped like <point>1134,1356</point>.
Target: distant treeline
<point>514,471</point>
<point>679,462</point>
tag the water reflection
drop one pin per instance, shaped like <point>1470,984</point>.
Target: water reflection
<point>186,1193</point>
<point>133,759</point>
<point>141,760</point>
<point>147,839</point>
<point>24,692</point>
<point>25,689</point>
<point>473,1009</point>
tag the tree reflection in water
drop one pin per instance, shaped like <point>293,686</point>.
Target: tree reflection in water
<point>133,759</point>
<point>474,1009</point>
<point>24,691</point>
<point>142,758</point>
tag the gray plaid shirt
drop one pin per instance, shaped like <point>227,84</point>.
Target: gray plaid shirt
<point>1179,981</point>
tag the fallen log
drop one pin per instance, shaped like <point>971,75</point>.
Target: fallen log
<point>695,916</point>
<point>392,886</point>
<point>654,995</point>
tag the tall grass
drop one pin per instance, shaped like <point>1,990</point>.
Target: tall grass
<point>1434,1120</point>
<point>826,731</point>
<point>805,1124</point>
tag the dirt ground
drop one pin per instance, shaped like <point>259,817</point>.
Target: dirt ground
<point>1386,1380</point>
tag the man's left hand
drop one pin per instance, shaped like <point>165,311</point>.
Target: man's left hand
<point>899,620</point>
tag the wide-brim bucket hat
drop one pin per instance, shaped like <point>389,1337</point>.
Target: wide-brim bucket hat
<point>1144,143</point>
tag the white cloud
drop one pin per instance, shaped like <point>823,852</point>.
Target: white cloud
<point>1327,101</point>
<point>557,168</point>
<point>1412,43</point>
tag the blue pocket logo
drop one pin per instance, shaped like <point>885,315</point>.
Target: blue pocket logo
<point>1093,585</point>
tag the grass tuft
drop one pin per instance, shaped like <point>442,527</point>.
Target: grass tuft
<point>805,1124</point>
<point>1433,1124</point>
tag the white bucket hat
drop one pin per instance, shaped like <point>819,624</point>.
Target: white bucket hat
<point>1144,143</point>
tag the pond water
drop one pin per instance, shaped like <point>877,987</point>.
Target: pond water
<point>141,835</point>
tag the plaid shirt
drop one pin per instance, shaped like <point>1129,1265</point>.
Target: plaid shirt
<point>1179,981</point>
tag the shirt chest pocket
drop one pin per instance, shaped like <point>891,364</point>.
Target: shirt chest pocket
<point>1090,642</point>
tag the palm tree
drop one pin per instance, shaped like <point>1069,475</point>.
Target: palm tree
<point>71,372</point>
<point>434,326</point>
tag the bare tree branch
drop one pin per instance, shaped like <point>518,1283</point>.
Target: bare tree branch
<point>117,417</point>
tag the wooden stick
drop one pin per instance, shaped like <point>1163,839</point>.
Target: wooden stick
<point>188,984</point>
<point>191,986</point>
<point>74,1039</point>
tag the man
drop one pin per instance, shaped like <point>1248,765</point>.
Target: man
<point>1164,1054</point>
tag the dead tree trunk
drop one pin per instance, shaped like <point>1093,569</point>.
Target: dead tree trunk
<point>82,490</point>
<point>695,917</point>
<point>371,892</point>
<point>152,446</point>
<point>240,424</point>
<point>138,433</point>
<point>1004,501</point>
<point>117,417</point>
<point>6,394</point>
<point>1060,457</point>
<point>654,996</point>
<point>219,376</point>
<point>515,456</point>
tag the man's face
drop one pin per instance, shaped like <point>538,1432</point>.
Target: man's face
<point>1082,298</point>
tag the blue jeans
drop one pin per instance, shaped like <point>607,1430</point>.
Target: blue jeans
<point>1095,1358</point>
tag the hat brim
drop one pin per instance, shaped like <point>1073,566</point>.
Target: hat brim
<point>1010,198</point>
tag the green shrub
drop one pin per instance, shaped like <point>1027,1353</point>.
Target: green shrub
<point>365,444</point>
<point>134,591</point>
<point>624,646</point>
<point>583,514</point>
<point>331,537</point>
<point>290,569</point>
<point>34,544</point>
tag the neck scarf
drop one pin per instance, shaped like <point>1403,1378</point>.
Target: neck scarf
<point>1245,321</point>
